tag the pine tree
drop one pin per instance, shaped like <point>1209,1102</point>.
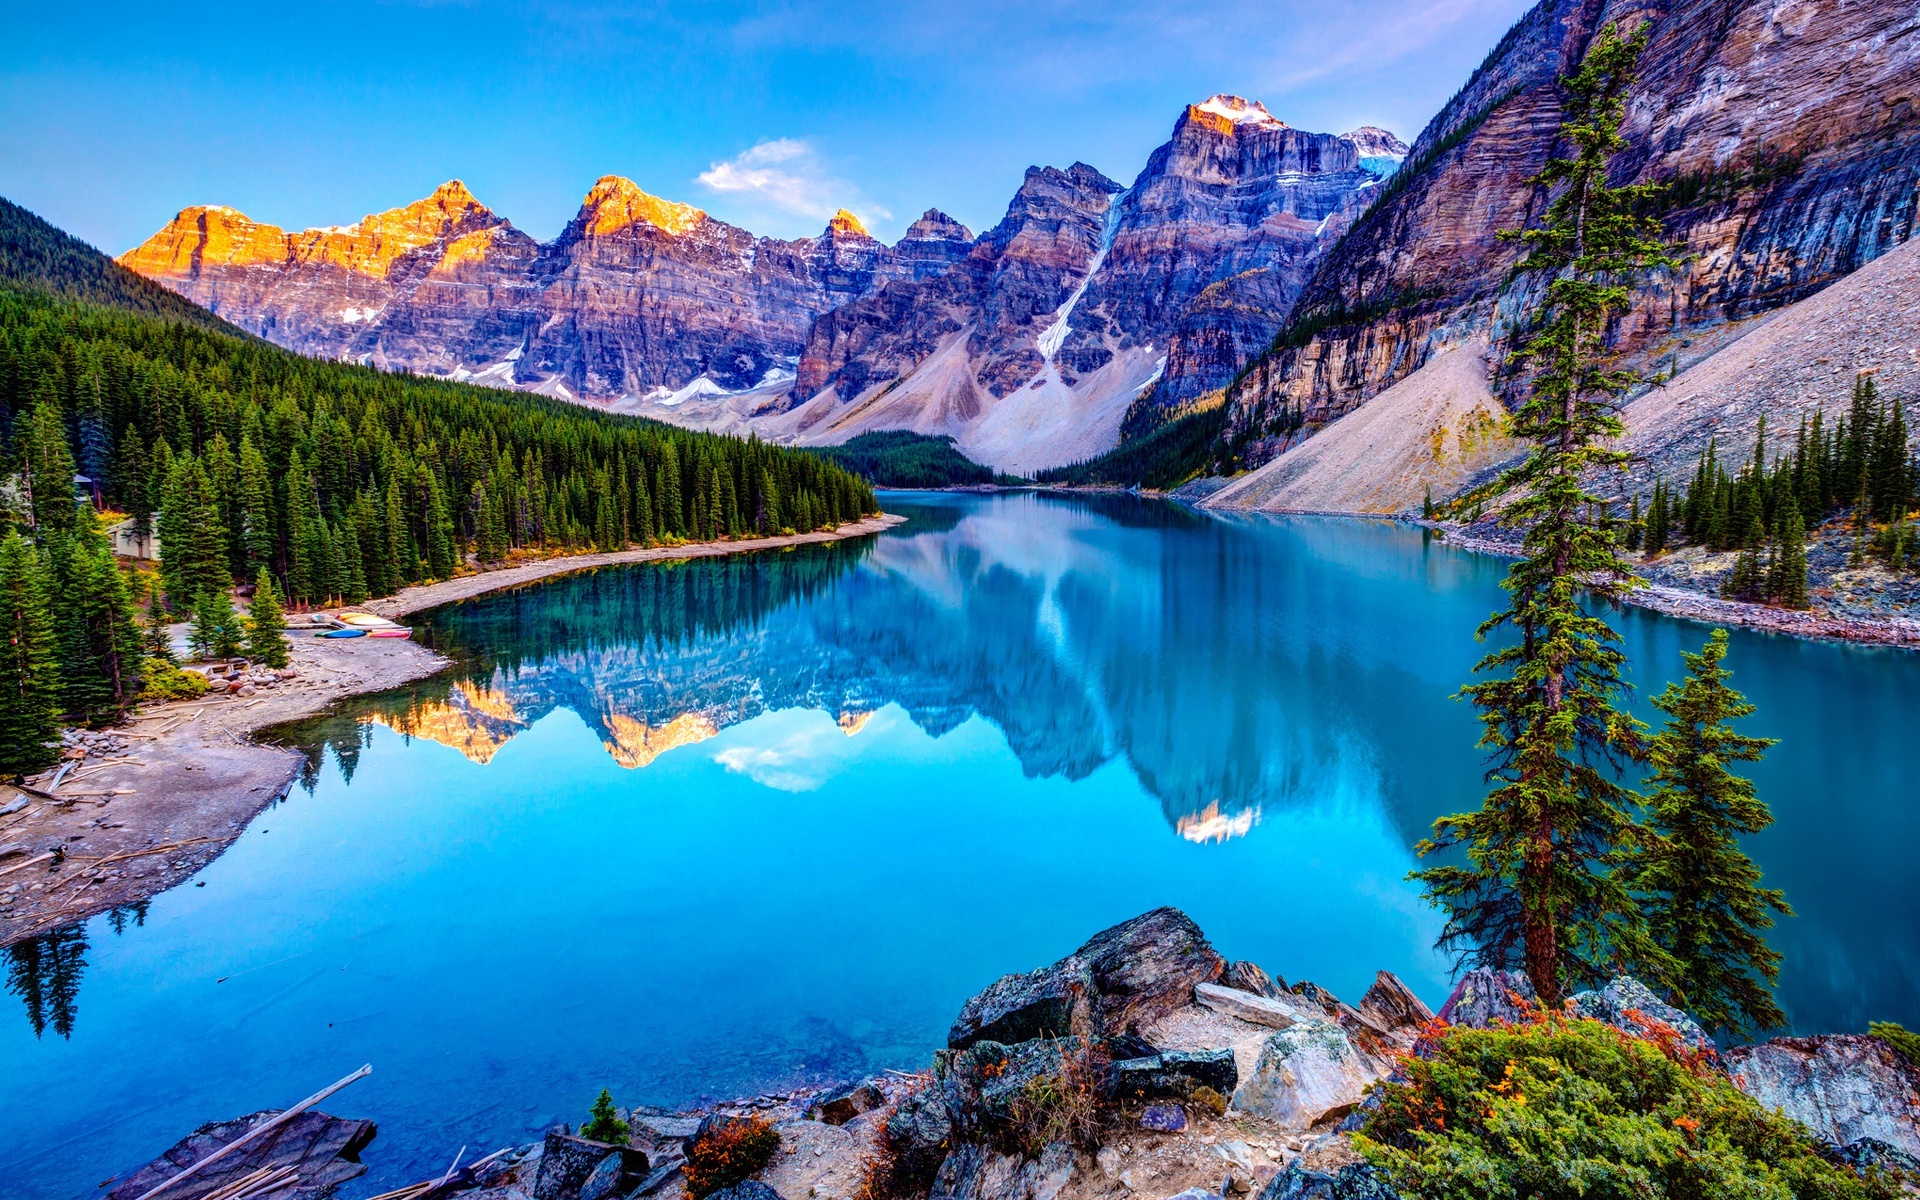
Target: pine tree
<point>48,467</point>
<point>1706,908</point>
<point>158,641</point>
<point>1658,521</point>
<point>266,640</point>
<point>1536,888</point>
<point>100,645</point>
<point>261,532</point>
<point>193,550</point>
<point>441,551</point>
<point>29,680</point>
<point>1636,526</point>
<point>603,1122</point>
<point>216,629</point>
<point>1788,581</point>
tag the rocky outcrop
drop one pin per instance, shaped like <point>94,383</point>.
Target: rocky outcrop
<point>1484,995</point>
<point>313,1153</point>
<point>1787,133</point>
<point>1844,1087</point>
<point>1147,967</point>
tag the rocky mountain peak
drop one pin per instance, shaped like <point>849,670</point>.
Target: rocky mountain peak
<point>845,224</point>
<point>615,203</point>
<point>1225,114</point>
<point>936,226</point>
<point>1373,141</point>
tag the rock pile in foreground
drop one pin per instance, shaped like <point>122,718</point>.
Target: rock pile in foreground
<point>1192,1077</point>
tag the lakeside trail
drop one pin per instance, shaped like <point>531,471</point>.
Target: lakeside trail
<point>137,821</point>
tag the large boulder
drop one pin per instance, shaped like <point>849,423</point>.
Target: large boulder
<point>1626,1003</point>
<point>1329,1169</point>
<point>1147,967</point>
<point>919,1132</point>
<point>1485,995</point>
<point>568,1162</point>
<point>1844,1087</point>
<point>746,1189</point>
<point>1309,1073</point>
<point>843,1105</point>
<point>323,1150</point>
<point>1174,1074</point>
<point>1055,1001</point>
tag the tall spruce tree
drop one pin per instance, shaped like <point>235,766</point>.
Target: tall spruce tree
<point>29,672</point>
<point>1706,908</point>
<point>1536,888</point>
<point>193,549</point>
<point>48,467</point>
<point>266,640</point>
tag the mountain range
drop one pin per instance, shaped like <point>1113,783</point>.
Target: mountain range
<point>1028,344</point>
<point>1255,287</point>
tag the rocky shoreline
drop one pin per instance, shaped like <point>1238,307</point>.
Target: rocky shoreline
<point>1674,586</point>
<point>1144,1066</point>
<point>148,804</point>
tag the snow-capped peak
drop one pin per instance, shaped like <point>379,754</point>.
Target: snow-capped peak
<point>1240,111</point>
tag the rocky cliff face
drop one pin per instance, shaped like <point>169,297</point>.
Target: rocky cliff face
<point>638,296</point>
<point>1787,130</point>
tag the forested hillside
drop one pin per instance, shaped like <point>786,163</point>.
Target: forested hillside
<point>35,255</point>
<point>340,482</point>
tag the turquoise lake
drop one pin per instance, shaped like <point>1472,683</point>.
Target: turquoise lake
<point>709,828</point>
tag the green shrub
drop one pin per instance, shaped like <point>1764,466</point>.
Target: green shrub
<point>161,681</point>
<point>1558,1109</point>
<point>726,1151</point>
<point>604,1123</point>
<point>1905,1042</point>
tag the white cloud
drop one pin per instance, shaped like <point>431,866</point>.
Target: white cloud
<point>787,174</point>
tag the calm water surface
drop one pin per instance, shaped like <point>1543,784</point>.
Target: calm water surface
<point>695,830</point>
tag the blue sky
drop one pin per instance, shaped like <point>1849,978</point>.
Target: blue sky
<point>769,115</point>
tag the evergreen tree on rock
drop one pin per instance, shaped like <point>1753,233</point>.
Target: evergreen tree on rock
<point>29,682</point>
<point>1706,908</point>
<point>1536,888</point>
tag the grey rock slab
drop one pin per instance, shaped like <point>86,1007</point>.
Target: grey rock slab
<point>1174,1074</point>
<point>604,1180</point>
<point>1255,1010</point>
<point>1844,1087</point>
<point>746,1189</point>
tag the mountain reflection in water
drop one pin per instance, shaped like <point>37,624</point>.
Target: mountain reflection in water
<point>1080,644</point>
